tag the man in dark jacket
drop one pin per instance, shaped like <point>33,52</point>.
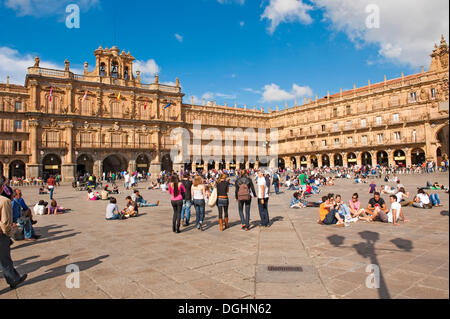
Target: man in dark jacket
<point>187,200</point>
<point>245,190</point>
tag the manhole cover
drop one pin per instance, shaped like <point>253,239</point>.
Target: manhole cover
<point>285,268</point>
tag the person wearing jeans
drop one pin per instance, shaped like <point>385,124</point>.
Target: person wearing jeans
<point>198,193</point>
<point>176,189</point>
<point>187,201</point>
<point>263,199</point>
<point>244,198</point>
<point>435,200</point>
<point>222,200</point>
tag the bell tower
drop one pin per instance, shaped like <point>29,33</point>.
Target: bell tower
<point>439,57</point>
<point>109,63</point>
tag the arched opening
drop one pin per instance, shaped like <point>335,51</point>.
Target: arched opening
<point>400,158</point>
<point>222,165</point>
<point>17,169</point>
<point>142,164</point>
<point>85,165</point>
<point>167,164</point>
<point>102,70</point>
<point>366,159</point>
<point>281,163</point>
<point>303,162</point>
<point>314,161</point>
<point>51,166</point>
<point>325,161</point>
<point>351,159</point>
<point>114,164</point>
<point>338,161</point>
<point>294,162</point>
<point>382,158</point>
<point>417,156</point>
<point>233,164</point>
<point>211,165</point>
<point>443,138</point>
<point>126,74</point>
<point>115,69</point>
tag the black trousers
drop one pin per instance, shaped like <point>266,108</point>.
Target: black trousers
<point>177,205</point>
<point>6,264</point>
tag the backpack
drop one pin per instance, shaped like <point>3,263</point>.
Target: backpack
<point>244,192</point>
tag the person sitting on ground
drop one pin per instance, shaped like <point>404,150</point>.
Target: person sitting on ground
<point>115,189</point>
<point>54,209</point>
<point>112,210</point>
<point>131,210</point>
<point>386,189</point>
<point>328,213</point>
<point>42,191</point>
<point>23,217</point>
<point>401,195</point>
<point>354,205</point>
<point>105,193</point>
<point>39,208</point>
<point>142,202</point>
<point>396,212</point>
<point>344,211</point>
<point>296,201</point>
<point>376,209</point>
<point>92,196</point>
<point>422,200</point>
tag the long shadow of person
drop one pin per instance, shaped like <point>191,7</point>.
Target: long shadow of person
<point>444,213</point>
<point>367,250</point>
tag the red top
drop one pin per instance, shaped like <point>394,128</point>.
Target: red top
<point>51,181</point>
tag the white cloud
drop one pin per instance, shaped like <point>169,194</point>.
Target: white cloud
<point>252,91</point>
<point>148,69</point>
<point>242,23</point>
<point>16,65</point>
<point>178,37</point>
<point>408,28</point>
<point>169,83</point>
<point>279,11</point>
<point>273,93</point>
<point>40,8</point>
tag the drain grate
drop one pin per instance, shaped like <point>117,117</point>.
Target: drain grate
<point>285,269</point>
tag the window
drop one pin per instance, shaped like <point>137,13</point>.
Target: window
<point>336,127</point>
<point>17,146</point>
<point>336,141</point>
<point>397,136</point>
<point>363,123</point>
<point>324,143</point>
<point>349,140</point>
<point>335,113</point>
<point>414,136</point>
<point>18,125</point>
<point>18,106</point>
<point>364,139</point>
<point>433,93</point>
<point>102,69</point>
<point>380,138</point>
<point>323,128</point>
<point>413,97</point>
<point>379,120</point>
<point>115,70</point>
<point>126,73</point>
<point>396,117</point>
<point>349,109</point>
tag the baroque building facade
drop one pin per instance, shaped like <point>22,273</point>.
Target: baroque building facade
<point>108,120</point>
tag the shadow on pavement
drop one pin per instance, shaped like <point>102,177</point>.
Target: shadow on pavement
<point>444,213</point>
<point>47,235</point>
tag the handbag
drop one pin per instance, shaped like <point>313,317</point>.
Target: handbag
<point>213,198</point>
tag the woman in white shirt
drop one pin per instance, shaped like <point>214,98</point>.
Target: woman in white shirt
<point>401,195</point>
<point>395,213</point>
<point>198,193</point>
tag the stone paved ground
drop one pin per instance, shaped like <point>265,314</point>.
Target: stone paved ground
<point>142,258</point>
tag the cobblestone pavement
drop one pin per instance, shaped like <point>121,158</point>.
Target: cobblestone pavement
<point>142,258</point>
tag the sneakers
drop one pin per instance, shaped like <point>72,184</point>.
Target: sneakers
<point>21,280</point>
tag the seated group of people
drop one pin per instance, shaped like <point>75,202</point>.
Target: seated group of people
<point>333,211</point>
<point>54,209</point>
<point>133,203</point>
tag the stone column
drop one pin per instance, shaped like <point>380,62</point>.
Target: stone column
<point>331,157</point>
<point>297,159</point>
<point>155,166</point>
<point>247,165</point>
<point>33,165</point>
<point>217,166</point>
<point>358,158</point>
<point>408,156</point>
<point>132,166</point>
<point>205,166</point>
<point>256,165</point>
<point>194,167</point>
<point>227,166</point>
<point>344,159</point>
<point>6,170</point>
<point>390,157</point>
<point>68,167</point>
<point>98,168</point>
<point>34,96</point>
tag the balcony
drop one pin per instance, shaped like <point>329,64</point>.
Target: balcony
<point>113,146</point>
<point>54,145</point>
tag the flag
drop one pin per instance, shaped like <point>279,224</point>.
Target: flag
<point>168,105</point>
<point>84,97</point>
<point>118,97</point>
<point>51,94</point>
<point>145,105</point>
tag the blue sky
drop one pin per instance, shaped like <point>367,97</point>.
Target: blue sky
<point>241,51</point>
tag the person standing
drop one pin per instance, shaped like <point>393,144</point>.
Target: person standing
<point>198,193</point>
<point>187,201</point>
<point>263,199</point>
<point>176,189</point>
<point>244,192</point>
<point>51,184</point>
<point>222,200</point>
<point>276,182</point>
<point>6,231</point>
